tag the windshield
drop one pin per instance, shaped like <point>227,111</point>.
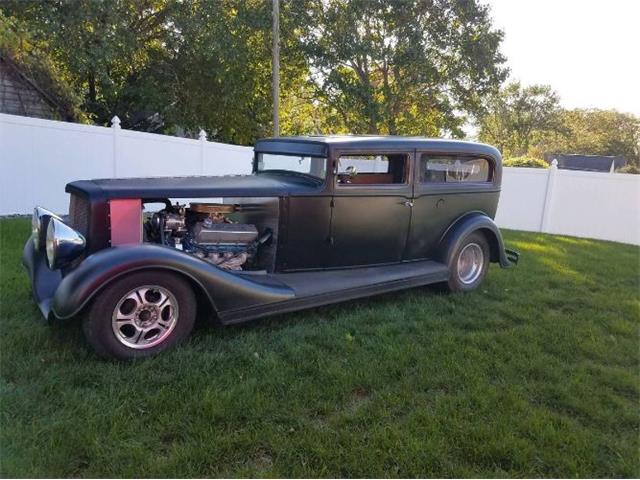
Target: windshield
<point>313,166</point>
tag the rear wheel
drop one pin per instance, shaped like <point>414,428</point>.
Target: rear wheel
<point>469,263</point>
<point>140,315</point>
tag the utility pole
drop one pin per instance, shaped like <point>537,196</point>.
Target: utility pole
<point>275,68</point>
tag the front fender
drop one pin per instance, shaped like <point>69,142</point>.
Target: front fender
<point>223,289</point>
<point>461,228</point>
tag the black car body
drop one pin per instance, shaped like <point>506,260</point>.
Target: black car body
<point>320,220</point>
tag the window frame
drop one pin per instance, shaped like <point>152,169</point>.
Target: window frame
<point>409,156</point>
<point>421,181</point>
<point>320,180</point>
<point>421,187</point>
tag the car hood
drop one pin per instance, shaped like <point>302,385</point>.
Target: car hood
<point>262,185</point>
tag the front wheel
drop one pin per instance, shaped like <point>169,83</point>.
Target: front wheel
<point>469,263</point>
<point>140,315</point>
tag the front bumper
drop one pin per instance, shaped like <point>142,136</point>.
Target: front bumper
<point>44,281</point>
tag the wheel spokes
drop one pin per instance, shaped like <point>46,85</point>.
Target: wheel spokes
<point>163,298</point>
<point>145,316</point>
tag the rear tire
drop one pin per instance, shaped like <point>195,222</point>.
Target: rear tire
<point>469,263</point>
<point>140,315</point>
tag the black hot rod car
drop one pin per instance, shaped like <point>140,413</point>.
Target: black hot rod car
<point>320,220</point>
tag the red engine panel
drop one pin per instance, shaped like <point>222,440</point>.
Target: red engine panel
<point>126,221</point>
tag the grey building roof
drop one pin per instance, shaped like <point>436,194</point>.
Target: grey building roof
<point>593,163</point>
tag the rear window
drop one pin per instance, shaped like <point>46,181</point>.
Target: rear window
<point>454,169</point>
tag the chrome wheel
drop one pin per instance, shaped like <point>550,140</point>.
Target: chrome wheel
<point>470,263</point>
<point>145,317</point>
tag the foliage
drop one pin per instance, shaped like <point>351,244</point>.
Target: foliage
<point>537,374</point>
<point>525,161</point>
<point>112,48</point>
<point>401,66</point>
<point>514,117</point>
<point>629,168</point>
<point>33,61</point>
<point>222,68</point>
<point>167,65</point>
<point>388,66</point>
<point>529,121</point>
<point>594,132</point>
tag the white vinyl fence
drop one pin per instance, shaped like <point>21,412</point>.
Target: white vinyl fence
<point>38,157</point>
<point>581,204</point>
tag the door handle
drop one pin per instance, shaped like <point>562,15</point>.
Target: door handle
<point>407,203</point>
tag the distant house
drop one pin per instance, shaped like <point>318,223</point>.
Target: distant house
<point>590,163</point>
<point>20,95</point>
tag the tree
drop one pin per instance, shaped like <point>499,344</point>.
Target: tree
<point>111,48</point>
<point>523,121</point>
<point>594,132</point>
<point>514,118</point>
<point>401,66</point>
<point>170,65</point>
<point>222,68</point>
<point>31,58</point>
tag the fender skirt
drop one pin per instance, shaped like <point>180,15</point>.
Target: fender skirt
<point>468,224</point>
<point>224,290</point>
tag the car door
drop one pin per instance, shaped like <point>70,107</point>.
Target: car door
<point>371,207</point>
<point>446,187</point>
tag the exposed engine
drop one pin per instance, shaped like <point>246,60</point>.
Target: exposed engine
<point>204,230</point>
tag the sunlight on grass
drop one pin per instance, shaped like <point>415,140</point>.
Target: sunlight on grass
<point>583,242</point>
<point>535,247</point>
<point>565,270</point>
<point>536,374</point>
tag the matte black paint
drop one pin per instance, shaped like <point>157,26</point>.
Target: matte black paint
<point>314,289</point>
<point>467,224</point>
<point>432,211</point>
<point>44,281</point>
<point>262,185</point>
<point>331,242</point>
<point>369,229</point>
<point>307,229</point>
<point>225,290</point>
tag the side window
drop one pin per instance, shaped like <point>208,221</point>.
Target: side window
<point>454,169</point>
<point>372,169</point>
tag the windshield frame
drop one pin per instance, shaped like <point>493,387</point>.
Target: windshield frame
<point>281,171</point>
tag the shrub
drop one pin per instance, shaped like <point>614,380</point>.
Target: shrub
<point>524,161</point>
<point>629,169</point>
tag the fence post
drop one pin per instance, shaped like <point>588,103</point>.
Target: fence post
<point>115,125</point>
<point>548,196</point>
<point>202,136</point>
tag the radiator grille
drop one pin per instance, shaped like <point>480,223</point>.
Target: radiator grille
<point>79,214</point>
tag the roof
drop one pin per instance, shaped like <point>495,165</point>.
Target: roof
<point>593,163</point>
<point>263,185</point>
<point>31,75</point>
<point>320,144</point>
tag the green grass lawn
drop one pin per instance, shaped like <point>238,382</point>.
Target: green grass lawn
<point>535,374</point>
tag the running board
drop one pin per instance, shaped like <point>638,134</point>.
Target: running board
<point>313,289</point>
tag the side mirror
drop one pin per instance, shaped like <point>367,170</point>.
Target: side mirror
<point>351,171</point>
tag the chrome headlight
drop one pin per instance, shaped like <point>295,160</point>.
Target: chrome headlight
<point>39,222</point>
<point>63,243</point>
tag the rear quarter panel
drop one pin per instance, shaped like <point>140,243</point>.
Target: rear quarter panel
<point>433,213</point>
